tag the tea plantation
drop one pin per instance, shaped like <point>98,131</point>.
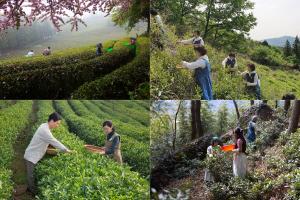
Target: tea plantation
<point>80,174</point>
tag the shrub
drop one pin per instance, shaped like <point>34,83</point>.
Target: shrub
<point>267,56</point>
<point>13,120</point>
<point>83,175</point>
<point>120,82</point>
<point>87,128</point>
<point>66,57</point>
<point>59,82</point>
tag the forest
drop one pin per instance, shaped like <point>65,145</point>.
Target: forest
<point>181,132</point>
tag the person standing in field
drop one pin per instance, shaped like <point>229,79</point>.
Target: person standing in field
<point>239,156</point>
<point>99,50</point>
<point>113,142</point>
<point>202,72</point>
<point>251,135</point>
<point>196,40</point>
<point>37,148</point>
<point>47,51</point>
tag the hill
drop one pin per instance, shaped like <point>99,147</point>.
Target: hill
<point>280,41</point>
<point>277,75</point>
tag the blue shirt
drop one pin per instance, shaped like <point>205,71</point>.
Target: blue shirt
<point>251,132</point>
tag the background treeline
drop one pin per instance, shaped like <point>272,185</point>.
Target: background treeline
<point>24,36</point>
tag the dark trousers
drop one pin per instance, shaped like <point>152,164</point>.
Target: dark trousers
<point>30,177</point>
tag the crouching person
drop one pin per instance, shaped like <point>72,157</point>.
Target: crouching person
<point>38,147</point>
<point>252,82</point>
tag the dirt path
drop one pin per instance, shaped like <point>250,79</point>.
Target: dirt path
<point>18,165</point>
<point>196,185</point>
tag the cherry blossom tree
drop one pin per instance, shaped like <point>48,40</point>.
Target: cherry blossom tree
<point>15,13</point>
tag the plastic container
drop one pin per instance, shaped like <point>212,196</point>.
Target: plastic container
<point>109,49</point>
<point>229,147</point>
<point>94,149</point>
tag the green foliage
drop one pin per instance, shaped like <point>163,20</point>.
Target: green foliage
<point>287,50</point>
<point>12,39</point>
<point>138,11</point>
<point>59,82</point>
<point>13,120</point>
<point>267,56</point>
<point>87,128</point>
<point>82,175</point>
<point>128,77</point>
<point>276,177</point>
<point>222,120</point>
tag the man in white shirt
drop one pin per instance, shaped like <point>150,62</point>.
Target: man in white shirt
<point>38,147</point>
<point>196,40</point>
<point>30,53</point>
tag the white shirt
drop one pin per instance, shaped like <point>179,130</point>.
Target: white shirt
<point>225,61</point>
<point>191,41</point>
<point>198,63</point>
<point>39,143</point>
<point>30,54</point>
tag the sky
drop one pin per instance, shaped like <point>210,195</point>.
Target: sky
<point>276,18</point>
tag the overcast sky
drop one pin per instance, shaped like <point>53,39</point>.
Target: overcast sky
<point>276,18</point>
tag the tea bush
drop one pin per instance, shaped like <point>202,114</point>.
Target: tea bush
<point>65,57</point>
<point>83,175</point>
<point>13,120</point>
<point>121,82</point>
<point>88,128</point>
<point>61,81</point>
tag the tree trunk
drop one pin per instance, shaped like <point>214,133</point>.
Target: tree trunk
<point>175,127</point>
<point>208,15</point>
<point>236,110</point>
<point>251,102</point>
<point>196,119</point>
<point>294,120</point>
<point>287,105</point>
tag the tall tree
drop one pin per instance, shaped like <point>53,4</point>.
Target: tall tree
<point>175,127</point>
<point>294,120</point>
<point>197,130</point>
<point>184,124</point>
<point>208,120</point>
<point>222,119</point>
<point>296,47</point>
<point>287,49</point>
<point>228,17</point>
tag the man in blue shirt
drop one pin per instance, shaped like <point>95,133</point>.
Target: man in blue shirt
<point>251,136</point>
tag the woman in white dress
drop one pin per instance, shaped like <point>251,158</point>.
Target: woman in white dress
<point>239,156</point>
